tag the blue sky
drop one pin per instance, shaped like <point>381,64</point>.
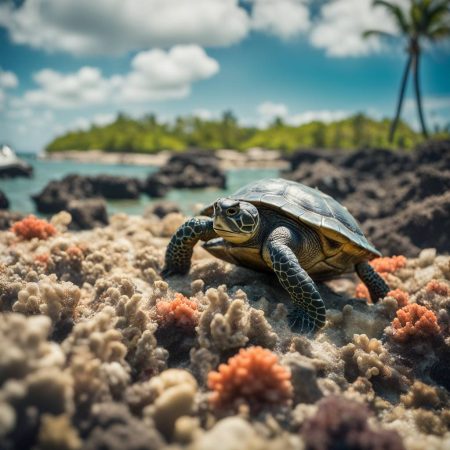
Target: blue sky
<point>67,64</point>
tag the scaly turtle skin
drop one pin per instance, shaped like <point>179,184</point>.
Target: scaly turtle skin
<point>297,232</point>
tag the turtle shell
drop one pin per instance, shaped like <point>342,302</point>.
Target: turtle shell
<point>309,206</point>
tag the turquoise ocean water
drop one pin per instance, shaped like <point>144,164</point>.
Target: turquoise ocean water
<point>19,190</point>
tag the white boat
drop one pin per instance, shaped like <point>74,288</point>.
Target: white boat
<point>11,165</point>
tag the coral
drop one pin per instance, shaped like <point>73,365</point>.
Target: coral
<point>422,395</point>
<point>226,324</point>
<point>361,291</point>
<point>388,264</point>
<point>31,227</point>
<point>438,287</point>
<point>236,433</point>
<point>341,423</point>
<point>175,392</point>
<point>10,285</point>
<point>57,433</point>
<point>84,363</point>
<point>32,382</point>
<point>180,312</point>
<point>253,376</point>
<point>56,300</point>
<point>414,321</point>
<point>402,297</point>
<point>96,357</point>
<point>112,427</point>
<point>367,357</point>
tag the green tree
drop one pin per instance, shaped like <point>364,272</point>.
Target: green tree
<point>424,20</point>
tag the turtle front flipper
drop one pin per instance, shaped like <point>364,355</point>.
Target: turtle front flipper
<point>181,245</point>
<point>309,314</point>
<point>375,284</point>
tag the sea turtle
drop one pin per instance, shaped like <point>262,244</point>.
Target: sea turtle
<point>297,232</point>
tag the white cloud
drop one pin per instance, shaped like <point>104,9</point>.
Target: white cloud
<point>57,90</point>
<point>160,75</point>
<point>282,18</point>
<point>154,75</point>
<point>203,113</point>
<point>8,80</point>
<point>324,115</point>
<point>429,103</point>
<point>341,24</point>
<point>117,26</point>
<point>268,111</point>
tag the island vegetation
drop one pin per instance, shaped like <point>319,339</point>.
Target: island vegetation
<point>149,135</point>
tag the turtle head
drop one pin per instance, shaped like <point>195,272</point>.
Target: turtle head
<point>236,221</point>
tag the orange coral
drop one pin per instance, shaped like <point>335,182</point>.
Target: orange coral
<point>42,258</point>
<point>254,376</point>
<point>74,252</point>
<point>414,320</point>
<point>181,312</point>
<point>438,287</point>
<point>388,264</point>
<point>402,297</point>
<point>362,291</point>
<point>31,227</point>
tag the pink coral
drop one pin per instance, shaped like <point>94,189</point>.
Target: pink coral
<point>180,312</point>
<point>31,227</point>
<point>438,287</point>
<point>402,297</point>
<point>414,321</point>
<point>253,376</point>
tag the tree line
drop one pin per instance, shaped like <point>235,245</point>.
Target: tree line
<point>149,135</point>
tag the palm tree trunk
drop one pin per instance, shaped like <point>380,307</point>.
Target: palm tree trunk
<point>400,98</point>
<point>418,94</point>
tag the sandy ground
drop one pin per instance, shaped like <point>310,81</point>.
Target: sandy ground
<point>229,159</point>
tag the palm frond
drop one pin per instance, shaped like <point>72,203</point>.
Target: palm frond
<point>396,12</point>
<point>438,33</point>
<point>370,33</point>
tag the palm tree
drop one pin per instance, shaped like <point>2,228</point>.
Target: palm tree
<point>424,21</point>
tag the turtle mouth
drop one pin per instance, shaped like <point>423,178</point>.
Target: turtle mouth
<point>222,230</point>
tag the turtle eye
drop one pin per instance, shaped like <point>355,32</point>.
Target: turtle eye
<point>231,211</point>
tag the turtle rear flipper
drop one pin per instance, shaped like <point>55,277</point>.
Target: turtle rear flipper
<point>375,284</point>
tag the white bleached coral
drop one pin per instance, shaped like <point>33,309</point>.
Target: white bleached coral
<point>229,323</point>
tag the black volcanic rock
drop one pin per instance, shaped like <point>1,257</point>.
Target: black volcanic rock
<point>87,214</point>
<point>400,198</point>
<point>190,170</point>
<point>57,194</point>
<point>18,169</point>
<point>4,202</point>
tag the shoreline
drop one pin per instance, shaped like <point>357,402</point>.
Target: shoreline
<point>255,158</point>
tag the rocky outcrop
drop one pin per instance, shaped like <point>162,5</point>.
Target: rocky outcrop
<point>398,197</point>
<point>88,214</point>
<point>17,169</point>
<point>4,202</point>
<point>57,195</point>
<point>190,170</point>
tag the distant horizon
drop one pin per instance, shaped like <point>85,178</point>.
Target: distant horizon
<point>260,127</point>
